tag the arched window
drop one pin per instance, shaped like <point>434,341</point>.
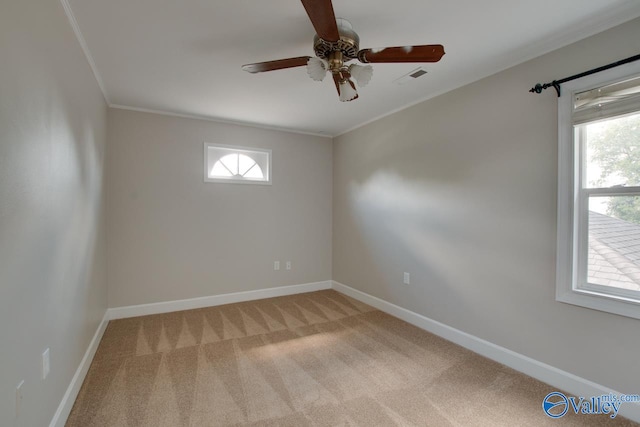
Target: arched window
<point>234,164</point>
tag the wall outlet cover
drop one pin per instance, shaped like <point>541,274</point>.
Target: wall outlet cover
<point>407,278</point>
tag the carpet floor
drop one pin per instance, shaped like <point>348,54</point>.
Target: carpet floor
<point>315,359</point>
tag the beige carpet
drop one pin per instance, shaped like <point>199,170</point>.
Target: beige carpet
<point>316,359</point>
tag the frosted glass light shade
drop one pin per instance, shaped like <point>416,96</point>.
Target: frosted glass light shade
<point>362,73</point>
<point>347,93</point>
<point>317,68</point>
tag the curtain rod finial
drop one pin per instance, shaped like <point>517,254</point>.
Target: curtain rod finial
<point>536,89</point>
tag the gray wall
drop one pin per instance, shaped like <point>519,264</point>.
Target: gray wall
<point>172,236</point>
<point>460,191</point>
<point>52,245</point>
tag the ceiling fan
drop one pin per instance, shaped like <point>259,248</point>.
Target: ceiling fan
<point>335,44</point>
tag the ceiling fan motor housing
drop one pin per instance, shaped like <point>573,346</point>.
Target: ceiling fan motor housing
<point>348,43</point>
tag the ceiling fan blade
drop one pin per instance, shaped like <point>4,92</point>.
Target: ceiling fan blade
<point>276,65</point>
<point>424,53</point>
<point>353,85</point>
<point>336,80</point>
<point>323,19</point>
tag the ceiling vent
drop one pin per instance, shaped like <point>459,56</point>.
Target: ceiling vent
<point>410,76</point>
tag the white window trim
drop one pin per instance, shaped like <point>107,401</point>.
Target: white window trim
<point>239,150</point>
<point>568,240</point>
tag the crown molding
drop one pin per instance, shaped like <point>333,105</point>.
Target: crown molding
<point>85,49</point>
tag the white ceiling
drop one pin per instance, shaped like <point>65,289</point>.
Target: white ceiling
<point>184,56</point>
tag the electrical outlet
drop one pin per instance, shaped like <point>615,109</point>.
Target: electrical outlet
<point>45,364</point>
<point>407,278</point>
<point>288,265</point>
<point>276,265</point>
<point>19,398</point>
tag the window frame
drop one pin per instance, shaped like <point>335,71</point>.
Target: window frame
<point>573,211</point>
<point>238,149</point>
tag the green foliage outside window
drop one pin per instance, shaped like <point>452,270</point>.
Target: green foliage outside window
<point>616,148</point>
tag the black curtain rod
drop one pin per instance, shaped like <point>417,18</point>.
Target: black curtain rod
<point>538,88</point>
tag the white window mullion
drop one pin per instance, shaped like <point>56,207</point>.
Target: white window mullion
<point>581,216</point>
<point>582,252</point>
<point>613,191</point>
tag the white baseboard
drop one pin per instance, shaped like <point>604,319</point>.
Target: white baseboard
<point>541,371</point>
<point>64,409</point>
<point>210,301</point>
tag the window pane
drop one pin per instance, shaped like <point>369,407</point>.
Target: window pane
<point>220,170</point>
<point>230,161</point>
<point>255,172</point>
<point>614,242</point>
<point>245,163</point>
<point>613,152</point>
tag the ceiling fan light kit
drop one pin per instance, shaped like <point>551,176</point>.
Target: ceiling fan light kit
<point>347,92</point>
<point>317,68</point>
<point>362,73</point>
<point>335,44</point>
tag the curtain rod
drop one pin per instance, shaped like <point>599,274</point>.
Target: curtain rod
<point>538,88</point>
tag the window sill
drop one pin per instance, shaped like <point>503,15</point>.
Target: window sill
<point>602,302</point>
<point>237,181</point>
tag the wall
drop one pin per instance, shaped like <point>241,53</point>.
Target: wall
<point>460,191</point>
<point>172,236</point>
<point>52,245</point>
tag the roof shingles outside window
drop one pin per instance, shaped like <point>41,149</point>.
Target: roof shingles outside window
<point>614,252</point>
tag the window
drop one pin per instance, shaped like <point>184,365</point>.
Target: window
<point>599,192</point>
<point>232,164</point>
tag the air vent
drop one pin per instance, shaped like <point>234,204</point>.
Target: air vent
<point>410,76</point>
